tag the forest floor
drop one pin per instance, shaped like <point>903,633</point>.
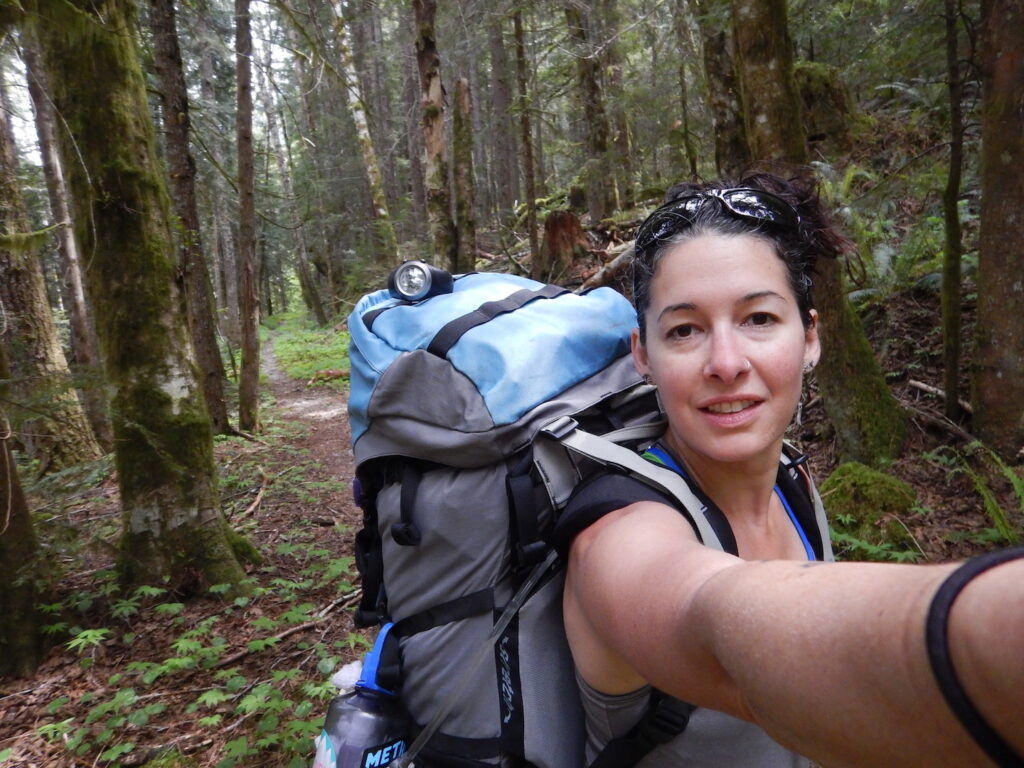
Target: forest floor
<point>243,682</point>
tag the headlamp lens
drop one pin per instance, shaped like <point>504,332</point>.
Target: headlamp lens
<point>416,280</point>
<point>412,279</point>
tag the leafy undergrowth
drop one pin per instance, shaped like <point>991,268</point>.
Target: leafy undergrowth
<point>318,355</point>
<point>142,675</point>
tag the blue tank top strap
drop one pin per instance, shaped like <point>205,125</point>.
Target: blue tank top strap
<point>659,455</point>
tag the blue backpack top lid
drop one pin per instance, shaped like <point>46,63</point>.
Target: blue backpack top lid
<point>496,371</point>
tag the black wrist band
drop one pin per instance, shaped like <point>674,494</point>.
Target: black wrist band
<point>937,643</point>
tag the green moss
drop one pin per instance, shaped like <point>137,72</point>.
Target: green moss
<point>869,506</point>
<point>245,551</point>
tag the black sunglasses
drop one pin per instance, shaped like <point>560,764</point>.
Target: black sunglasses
<point>742,202</point>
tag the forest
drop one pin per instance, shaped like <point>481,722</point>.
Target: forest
<point>195,193</point>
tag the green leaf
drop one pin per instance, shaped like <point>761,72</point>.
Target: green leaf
<point>170,608</point>
<point>116,751</point>
<point>86,639</point>
<point>211,721</point>
<point>212,697</point>
<point>56,704</point>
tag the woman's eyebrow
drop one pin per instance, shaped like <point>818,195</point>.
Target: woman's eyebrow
<point>759,295</point>
<point>684,306</point>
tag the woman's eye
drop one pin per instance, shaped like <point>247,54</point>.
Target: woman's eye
<point>681,332</point>
<point>760,318</point>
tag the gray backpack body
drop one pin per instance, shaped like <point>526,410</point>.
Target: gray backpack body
<point>474,416</point>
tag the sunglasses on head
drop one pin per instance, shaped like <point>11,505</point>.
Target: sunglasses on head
<point>742,202</point>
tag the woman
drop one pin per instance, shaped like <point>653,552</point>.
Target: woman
<point>726,331</point>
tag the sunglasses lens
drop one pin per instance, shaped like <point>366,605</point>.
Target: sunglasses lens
<point>754,204</point>
<point>667,220</point>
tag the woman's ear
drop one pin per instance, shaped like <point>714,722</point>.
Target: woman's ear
<point>812,344</point>
<point>639,354</point>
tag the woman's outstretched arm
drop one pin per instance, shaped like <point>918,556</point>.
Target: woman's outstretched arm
<point>829,658</point>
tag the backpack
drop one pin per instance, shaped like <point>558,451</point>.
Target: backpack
<point>474,415</point>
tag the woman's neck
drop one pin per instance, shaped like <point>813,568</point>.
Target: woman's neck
<point>742,489</point>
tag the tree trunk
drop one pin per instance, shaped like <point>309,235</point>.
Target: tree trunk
<point>951,214</point>
<point>462,162</point>
<point>770,97</point>
<point>413,131</point>
<point>435,166</point>
<point>564,239</point>
<point>21,636</point>
<point>682,39</point>
<point>174,534</point>
<point>387,243</point>
<point>998,367</point>
<point>85,355</point>
<point>869,423</point>
<point>600,182</point>
<point>248,266</point>
<point>732,149</point>
<point>613,65</point>
<point>867,418</point>
<point>182,169</point>
<point>283,155</point>
<point>49,421</point>
<point>506,180</point>
<point>226,257</point>
<point>526,137</point>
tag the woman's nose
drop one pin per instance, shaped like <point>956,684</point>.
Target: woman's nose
<point>726,359</point>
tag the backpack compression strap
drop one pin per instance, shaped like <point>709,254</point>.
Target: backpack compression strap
<point>452,331</point>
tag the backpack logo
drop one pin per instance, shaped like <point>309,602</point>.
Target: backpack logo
<point>382,755</point>
<point>507,687</point>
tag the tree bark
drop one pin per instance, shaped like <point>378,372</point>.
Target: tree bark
<point>506,180</point>
<point>413,131</point>
<point>248,266</point>
<point>526,137</point>
<point>49,420</point>
<point>462,162</point>
<point>998,365</point>
<point>867,418</point>
<point>600,182</point>
<point>21,636</point>
<point>435,166</point>
<point>387,243</point>
<point>283,156</point>
<point>951,214</point>
<point>85,355</point>
<point>182,169</point>
<point>682,40</point>
<point>621,158</point>
<point>173,532</point>
<point>732,149</point>
<point>768,89</point>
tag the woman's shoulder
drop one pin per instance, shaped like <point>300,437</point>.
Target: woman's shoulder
<point>604,492</point>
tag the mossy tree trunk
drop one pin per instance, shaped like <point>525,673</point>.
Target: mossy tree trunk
<point>772,112</point>
<point>998,364</point>
<point>732,150</point>
<point>182,169</point>
<point>601,189</point>
<point>462,167</point>
<point>868,420</point>
<point>21,637</point>
<point>682,39</point>
<point>49,420</point>
<point>526,137</point>
<point>869,423</point>
<point>951,215</point>
<point>248,264</point>
<point>435,164</point>
<point>173,531</point>
<point>387,242</point>
<point>85,360</point>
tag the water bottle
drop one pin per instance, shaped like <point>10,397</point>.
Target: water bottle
<point>367,728</point>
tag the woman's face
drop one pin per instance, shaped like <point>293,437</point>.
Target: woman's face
<point>726,347</point>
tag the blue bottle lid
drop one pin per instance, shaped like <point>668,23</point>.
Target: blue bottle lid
<point>381,665</point>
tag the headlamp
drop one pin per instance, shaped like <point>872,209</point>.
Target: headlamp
<point>417,280</point>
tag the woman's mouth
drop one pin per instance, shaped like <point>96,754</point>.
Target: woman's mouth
<point>731,406</point>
